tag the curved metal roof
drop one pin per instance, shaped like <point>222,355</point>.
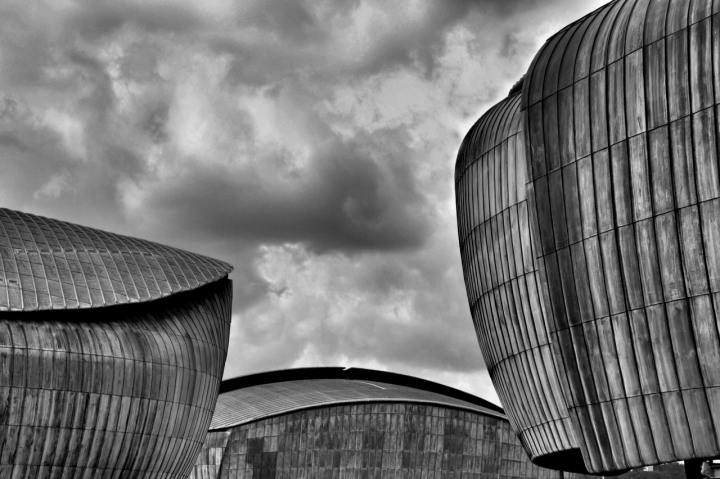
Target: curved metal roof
<point>52,264</point>
<point>250,398</point>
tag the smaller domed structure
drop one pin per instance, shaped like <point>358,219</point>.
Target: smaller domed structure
<point>335,423</point>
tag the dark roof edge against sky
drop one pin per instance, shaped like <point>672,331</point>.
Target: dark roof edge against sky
<point>356,374</point>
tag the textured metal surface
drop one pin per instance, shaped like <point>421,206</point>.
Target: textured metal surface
<point>620,121</point>
<point>252,403</point>
<point>51,264</point>
<point>116,392</point>
<point>505,291</point>
<point>369,441</point>
<point>622,125</point>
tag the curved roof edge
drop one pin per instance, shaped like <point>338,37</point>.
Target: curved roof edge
<point>355,374</point>
<point>49,264</point>
<point>505,120</point>
<point>517,86</point>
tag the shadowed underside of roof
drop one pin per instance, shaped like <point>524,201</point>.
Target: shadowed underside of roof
<point>52,264</point>
<point>249,398</point>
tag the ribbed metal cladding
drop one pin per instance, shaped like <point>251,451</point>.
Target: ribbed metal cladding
<point>52,264</point>
<point>507,295</point>
<point>116,391</point>
<point>356,434</point>
<point>622,123</point>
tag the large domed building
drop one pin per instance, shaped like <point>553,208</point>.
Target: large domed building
<point>589,219</point>
<point>111,351</point>
<point>343,423</point>
<point>505,288</point>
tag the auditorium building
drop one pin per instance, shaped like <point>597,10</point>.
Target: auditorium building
<point>348,423</point>
<point>588,207</point>
<point>111,351</point>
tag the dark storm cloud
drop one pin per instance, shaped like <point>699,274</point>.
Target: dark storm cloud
<point>292,20</point>
<point>37,169</point>
<point>357,194</point>
<point>98,97</point>
<point>102,18</point>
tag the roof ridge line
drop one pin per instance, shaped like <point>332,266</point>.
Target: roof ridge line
<point>357,374</point>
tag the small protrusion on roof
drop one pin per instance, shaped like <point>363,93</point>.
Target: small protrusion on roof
<point>517,86</point>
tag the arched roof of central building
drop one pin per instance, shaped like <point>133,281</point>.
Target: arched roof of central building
<point>50,264</point>
<point>250,398</point>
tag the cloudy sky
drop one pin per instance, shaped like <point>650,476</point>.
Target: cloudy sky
<point>309,143</point>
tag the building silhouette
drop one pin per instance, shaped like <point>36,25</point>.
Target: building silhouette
<point>335,423</point>
<point>619,333</point>
<point>111,351</point>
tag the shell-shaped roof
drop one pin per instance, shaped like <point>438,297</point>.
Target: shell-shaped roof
<point>498,124</point>
<point>250,398</point>
<point>616,105</point>
<point>496,236</point>
<point>52,264</point>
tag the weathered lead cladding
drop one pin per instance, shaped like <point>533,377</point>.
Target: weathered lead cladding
<point>121,391</point>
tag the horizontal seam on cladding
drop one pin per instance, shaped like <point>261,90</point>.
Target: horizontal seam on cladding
<point>464,240</point>
<point>87,353</point>
<point>132,321</point>
<point>641,395</point>
<point>475,305</point>
<point>105,430</point>
<point>94,429</point>
<point>544,424</point>
<point>626,312</point>
<point>507,359</point>
<point>484,293</point>
<point>94,468</point>
<point>121,396</point>
<point>617,227</point>
<point>179,368</point>
<point>626,138</point>
<point>539,411</point>
<point>481,155</point>
<point>528,327</point>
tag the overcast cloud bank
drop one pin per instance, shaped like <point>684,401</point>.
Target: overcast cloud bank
<point>310,144</point>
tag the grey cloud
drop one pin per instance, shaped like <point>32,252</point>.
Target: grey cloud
<point>427,342</point>
<point>255,66</point>
<point>32,156</point>
<point>10,140</point>
<point>26,50</point>
<point>344,201</point>
<point>155,123</point>
<point>91,75</point>
<point>140,61</point>
<point>438,336</point>
<point>268,62</point>
<point>121,160</point>
<point>94,19</point>
<point>423,43</point>
<point>249,287</point>
<point>292,20</point>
